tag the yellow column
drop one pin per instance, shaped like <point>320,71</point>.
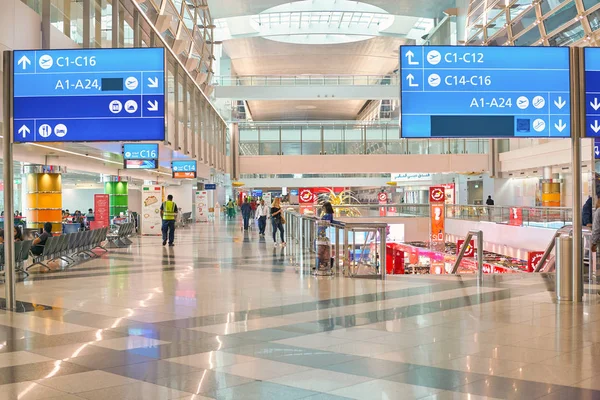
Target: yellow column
<point>44,199</point>
<point>550,194</point>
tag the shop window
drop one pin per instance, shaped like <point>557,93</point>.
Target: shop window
<point>594,19</point>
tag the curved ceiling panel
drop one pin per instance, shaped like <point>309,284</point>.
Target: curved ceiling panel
<point>414,8</point>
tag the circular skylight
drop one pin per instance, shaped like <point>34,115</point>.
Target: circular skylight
<point>322,22</point>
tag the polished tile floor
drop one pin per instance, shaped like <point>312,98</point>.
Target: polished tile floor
<point>225,315</point>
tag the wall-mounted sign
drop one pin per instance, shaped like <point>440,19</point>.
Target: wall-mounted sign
<point>210,186</point>
<point>470,250</point>
<point>402,177</point>
<point>183,169</point>
<point>89,95</point>
<point>485,92</point>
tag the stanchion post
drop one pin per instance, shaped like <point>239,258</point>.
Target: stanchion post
<point>480,255</point>
<point>9,214</point>
<point>382,250</point>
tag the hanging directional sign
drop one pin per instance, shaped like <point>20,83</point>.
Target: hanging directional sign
<point>596,148</point>
<point>485,92</point>
<point>592,92</point>
<point>89,95</point>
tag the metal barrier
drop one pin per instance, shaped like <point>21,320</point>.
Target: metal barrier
<point>564,258</point>
<point>301,235</point>
<point>466,244</point>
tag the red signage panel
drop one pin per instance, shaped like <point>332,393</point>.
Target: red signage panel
<point>101,211</point>
<point>469,252</point>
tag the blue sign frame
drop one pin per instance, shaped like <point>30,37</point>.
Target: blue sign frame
<point>592,93</point>
<point>140,151</point>
<point>210,186</point>
<point>485,92</point>
<point>184,168</point>
<point>89,95</point>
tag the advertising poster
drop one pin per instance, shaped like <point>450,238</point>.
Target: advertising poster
<point>516,216</point>
<point>437,196</point>
<point>202,206</point>
<point>151,202</point>
<point>306,199</point>
<point>382,198</point>
<point>101,212</point>
<point>469,252</point>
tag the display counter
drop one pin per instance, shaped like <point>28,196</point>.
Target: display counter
<point>418,258</point>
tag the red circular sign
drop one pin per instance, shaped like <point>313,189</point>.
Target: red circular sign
<point>437,194</point>
<point>382,197</point>
<point>306,196</point>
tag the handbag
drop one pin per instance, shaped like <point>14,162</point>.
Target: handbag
<point>282,219</point>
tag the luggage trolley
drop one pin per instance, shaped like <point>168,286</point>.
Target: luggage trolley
<point>323,249</point>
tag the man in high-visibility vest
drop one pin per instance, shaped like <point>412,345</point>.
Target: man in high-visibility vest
<point>168,212</point>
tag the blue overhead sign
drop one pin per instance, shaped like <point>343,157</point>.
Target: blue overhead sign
<point>89,95</point>
<point>210,186</point>
<point>140,151</point>
<point>592,92</point>
<point>184,166</point>
<point>485,92</point>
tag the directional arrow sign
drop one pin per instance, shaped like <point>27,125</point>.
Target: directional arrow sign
<point>560,103</point>
<point>153,105</point>
<point>560,126</point>
<point>24,61</point>
<point>597,151</point>
<point>595,126</point>
<point>595,105</point>
<point>410,78</point>
<point>153,82</point>
<point>409,56</point>
<point>24,130</point>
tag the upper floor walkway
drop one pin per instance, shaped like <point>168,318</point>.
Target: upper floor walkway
<point>307,87</point>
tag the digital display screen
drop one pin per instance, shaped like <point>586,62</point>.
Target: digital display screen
<point>140,151</point>
<point>141,164</point>
<point>184,169</point>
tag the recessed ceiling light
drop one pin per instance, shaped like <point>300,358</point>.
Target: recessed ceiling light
<point>306,107</point>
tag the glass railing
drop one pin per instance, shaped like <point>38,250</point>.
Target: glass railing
<point>307,80</point>
<point>541,217</point>
<point>344,137</point>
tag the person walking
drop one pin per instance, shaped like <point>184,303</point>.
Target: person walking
<point>489,201</point>
<point>168,212</point>
<point>277,220</point>
<point>253,205</point>
<point>230,209</point>
<point>262,212</point>
<point>246,212</point>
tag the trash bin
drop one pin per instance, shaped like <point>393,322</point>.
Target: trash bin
<point>564,275</point>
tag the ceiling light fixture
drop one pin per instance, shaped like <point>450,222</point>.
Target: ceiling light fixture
<point>75,154</point>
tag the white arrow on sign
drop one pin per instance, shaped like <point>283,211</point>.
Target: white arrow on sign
<point>410,55</point>
<point>595,127</point>
<point>597,151</point>
<point>153,82</point>
<point>560,103</point>
<point>595,105</point>
<point>153,105</point>
<point>23,61</point>
<point>560,126</point>
<point>24,130</point>
<point>410,78</point>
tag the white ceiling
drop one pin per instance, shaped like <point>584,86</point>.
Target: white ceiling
<point>303,110</point>
<point>413,8</point>
<point>259,56</point>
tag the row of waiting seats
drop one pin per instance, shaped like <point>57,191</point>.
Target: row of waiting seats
<point>69,246</point>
